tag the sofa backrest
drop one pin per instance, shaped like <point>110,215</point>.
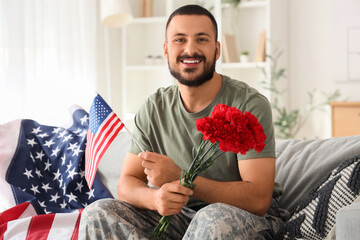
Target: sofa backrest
<point>302,164</point>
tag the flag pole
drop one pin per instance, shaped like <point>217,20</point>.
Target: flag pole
<point>132,136</point>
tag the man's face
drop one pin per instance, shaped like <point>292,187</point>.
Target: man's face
<point>190,49</point>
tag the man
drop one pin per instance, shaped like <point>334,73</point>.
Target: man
<point>232,198</point>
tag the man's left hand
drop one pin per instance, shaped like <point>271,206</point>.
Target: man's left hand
<point>159,169</point>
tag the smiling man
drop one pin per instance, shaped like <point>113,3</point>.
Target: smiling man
<point>233,198</point>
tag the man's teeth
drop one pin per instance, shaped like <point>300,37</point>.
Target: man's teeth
<point>191,61</point>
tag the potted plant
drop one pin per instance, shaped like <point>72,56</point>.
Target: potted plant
<point>244,57</point>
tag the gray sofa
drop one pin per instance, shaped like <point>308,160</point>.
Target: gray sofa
<point>320,182</point>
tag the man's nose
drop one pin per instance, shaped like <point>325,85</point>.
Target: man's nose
<point>190,48</point>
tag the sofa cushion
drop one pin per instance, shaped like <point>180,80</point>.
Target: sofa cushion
<point>347,221</point>
<point>301,164</point>
<point>111,163</point>
<point>314,217</point>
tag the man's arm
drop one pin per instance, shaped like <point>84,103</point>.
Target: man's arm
<point>253,194</point>
<point>133,188</point>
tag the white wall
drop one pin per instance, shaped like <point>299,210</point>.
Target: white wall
<point>311,33</point>
<point>315,46</point>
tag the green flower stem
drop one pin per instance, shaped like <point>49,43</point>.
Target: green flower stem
<point>197,166</point>
<point>199,152</point>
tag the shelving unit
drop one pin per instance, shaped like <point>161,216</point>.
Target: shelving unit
<point>145,36</point>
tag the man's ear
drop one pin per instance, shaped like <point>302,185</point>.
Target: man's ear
<point>218,50</point>
<point>165,49</point>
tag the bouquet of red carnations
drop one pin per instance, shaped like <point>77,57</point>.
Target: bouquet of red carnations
<point>227,129</point>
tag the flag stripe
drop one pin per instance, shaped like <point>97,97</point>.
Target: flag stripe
<point>105,138</point>
<point>99,135</point>
<point>103,131</point>
<point>99,143</point>
<point>12,213</point>
<point>102,151</point>
<point>17,229</point>
<point>40,226</point>
<point>75,234</point>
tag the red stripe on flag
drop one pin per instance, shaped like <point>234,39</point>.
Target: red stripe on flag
<point>75,234</point>
<point>100,154</point>
<point>3,228</point>
<point>99,134</point>
<point>98,143</point>
<point>13,213</point>
<point>40,226</point>
<point>103,140</point>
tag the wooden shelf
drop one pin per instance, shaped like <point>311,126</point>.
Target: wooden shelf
<point>345,118</point>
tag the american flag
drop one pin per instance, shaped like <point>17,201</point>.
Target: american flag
<point>44,167</point>
<point>104,127</point>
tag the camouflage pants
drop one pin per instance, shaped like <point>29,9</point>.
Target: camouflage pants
<point>113,219</point>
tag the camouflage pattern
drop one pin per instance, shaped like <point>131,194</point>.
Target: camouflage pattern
<point>113,219</point>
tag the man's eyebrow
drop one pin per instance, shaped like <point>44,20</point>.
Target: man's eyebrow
<point>202,34</point>
<point>197,34</point>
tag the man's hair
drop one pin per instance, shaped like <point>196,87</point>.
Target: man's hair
<point>193,9</point>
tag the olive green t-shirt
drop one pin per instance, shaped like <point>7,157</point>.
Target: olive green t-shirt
<point>162,125</point>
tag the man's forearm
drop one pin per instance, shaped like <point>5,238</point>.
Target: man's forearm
<point>245,195</point>
<point>129,190</point>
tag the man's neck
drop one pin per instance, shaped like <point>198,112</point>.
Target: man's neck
<point>196,99</point>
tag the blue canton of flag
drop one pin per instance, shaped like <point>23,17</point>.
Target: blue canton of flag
<point>104,127</point>
<point>48,167</point>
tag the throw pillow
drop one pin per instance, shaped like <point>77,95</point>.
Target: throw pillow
<point>315,216</point>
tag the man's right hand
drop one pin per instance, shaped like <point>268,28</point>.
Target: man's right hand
<point>171,197</point>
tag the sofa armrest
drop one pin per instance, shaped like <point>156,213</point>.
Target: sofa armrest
<point>347,222</point>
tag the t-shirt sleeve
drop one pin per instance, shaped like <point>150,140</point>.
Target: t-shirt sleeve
<point>259,106</point>
<point>141,130</point>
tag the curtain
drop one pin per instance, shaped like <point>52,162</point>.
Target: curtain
<point>48,52</point>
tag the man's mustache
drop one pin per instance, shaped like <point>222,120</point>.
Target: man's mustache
<point>197,56</point>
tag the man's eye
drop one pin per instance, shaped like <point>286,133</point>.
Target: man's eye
<point>203,40</point>
<point>179,40</point>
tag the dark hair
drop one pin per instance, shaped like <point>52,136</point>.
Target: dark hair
<point>193,9</point>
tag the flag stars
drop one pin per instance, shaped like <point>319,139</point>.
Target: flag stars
<point>55,152</point>
<point>43,135</point>
<point>34,189</point>
<point>72,173</point>
<point>63,158</point>
<point>36,130</point>
<point>67,138</point>
<point>47,165</point>
<point>38,173</point>
<point>77,151</point>
<point>42,204</point>
<point>79,186</point>
<point>40,155</point>
<point>62,134</point>
<point>82,174</point>
<point>56,130</point>
<point>84,119</point>
<point>57,175</point>
<point>31,142</point>
<point>46,211</point>
<point>72,146</point>
<point>46,187</point>
<point>63,205</point>
<point>90,193</point>
<point>54,198</point>
<point>49,143</point>
<point>69,166</point>
<point>32,158</point>
<point>71,197</point>
<point>28,174</point>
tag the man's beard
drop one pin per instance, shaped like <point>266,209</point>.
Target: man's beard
<point>205,76</point>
